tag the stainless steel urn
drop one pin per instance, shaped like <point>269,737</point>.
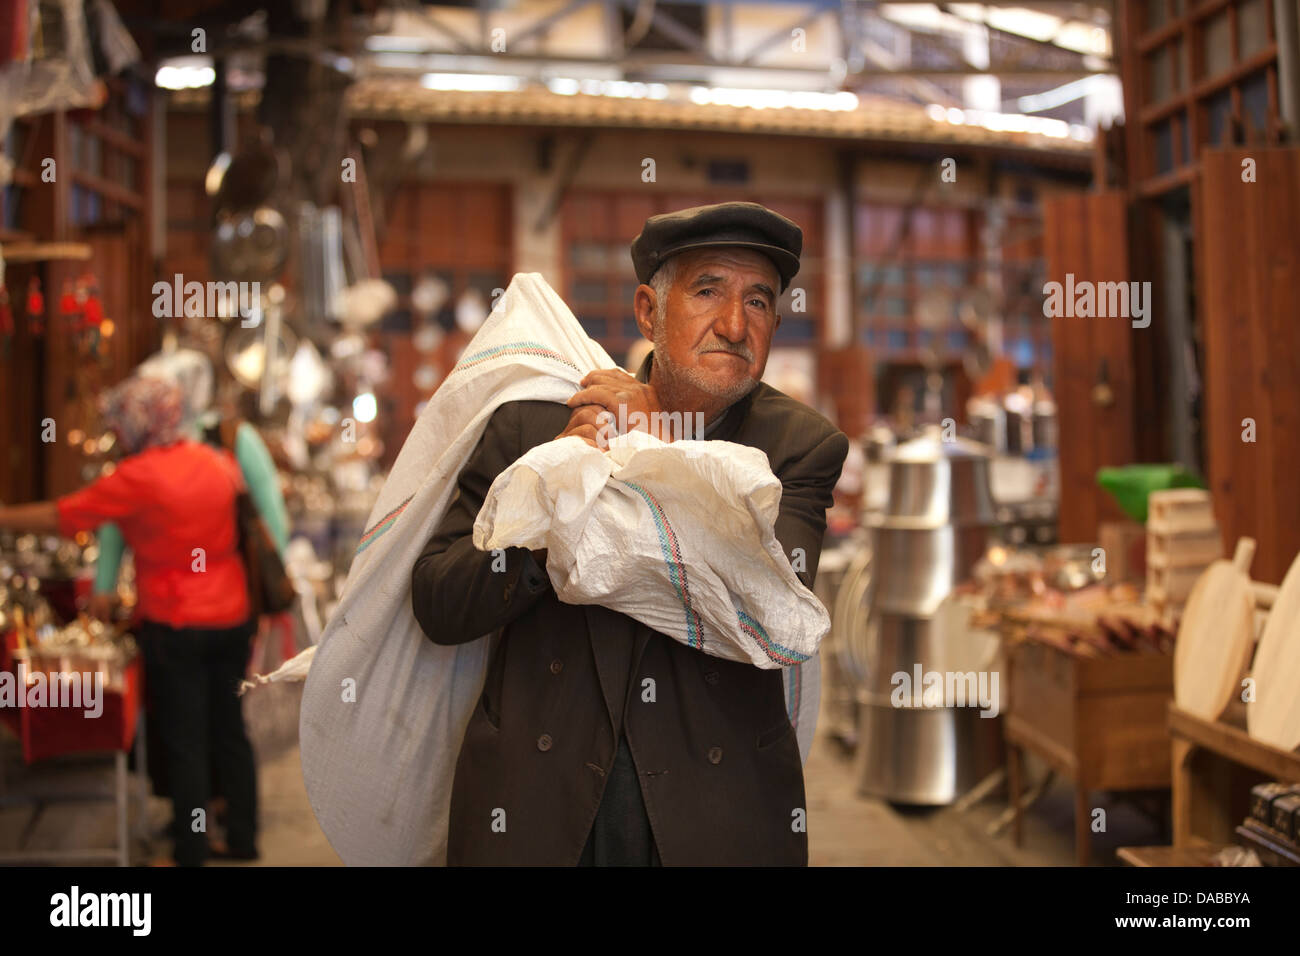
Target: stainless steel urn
<point>930,535</point>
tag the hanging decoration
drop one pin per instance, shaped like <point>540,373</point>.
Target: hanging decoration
<point>69,309</point>
<point>35,307</point>
<point>92,313</point>
<point>6,322</point>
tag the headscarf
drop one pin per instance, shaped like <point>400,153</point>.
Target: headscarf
<point>192,371</point>
<point>143,412</point>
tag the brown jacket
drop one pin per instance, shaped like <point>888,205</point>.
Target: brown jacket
<point>715,753</point>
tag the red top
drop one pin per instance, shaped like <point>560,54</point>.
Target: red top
<point>169,501</point>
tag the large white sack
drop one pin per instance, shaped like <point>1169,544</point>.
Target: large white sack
<point>627,526</point>
<point>384,709</point>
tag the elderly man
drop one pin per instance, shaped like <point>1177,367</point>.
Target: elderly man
<point>596,770</point>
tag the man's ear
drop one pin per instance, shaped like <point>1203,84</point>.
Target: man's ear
<point>778,322</point>
<point>643,305</point>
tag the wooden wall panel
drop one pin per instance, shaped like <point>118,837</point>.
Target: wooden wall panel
<point>463,231</point>
<point>1248,264</point>
<point>1085,235</point>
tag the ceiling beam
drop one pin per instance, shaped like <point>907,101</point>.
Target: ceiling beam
<point>641,60</point>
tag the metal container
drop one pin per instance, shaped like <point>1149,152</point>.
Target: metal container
<point>838,573</point>
<point>932,532</point>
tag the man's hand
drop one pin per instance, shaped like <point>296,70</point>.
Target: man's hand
<point>585,423</point>
<point>630,402</point>
<point>102,606</point>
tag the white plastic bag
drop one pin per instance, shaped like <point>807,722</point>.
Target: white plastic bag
<point>691,521</point>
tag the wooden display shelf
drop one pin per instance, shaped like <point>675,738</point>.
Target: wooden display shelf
<point>44,251</point>
<point>1144,856</point>
<point>1099,722</point>
<point>1214,766</point>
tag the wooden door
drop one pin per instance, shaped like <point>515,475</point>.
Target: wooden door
<point>1085,236</point>
<point>1249,262</point>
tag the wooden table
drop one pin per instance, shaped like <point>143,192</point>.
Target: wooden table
<point>1098,721</point>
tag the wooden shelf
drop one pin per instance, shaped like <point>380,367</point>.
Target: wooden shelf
<point>44,251</point>
<point>1235,744</point>
<point>1144,856</point>
<point>1214,766</point>
<point>1269,845</point>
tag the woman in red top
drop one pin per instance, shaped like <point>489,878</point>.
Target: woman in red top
<point>174,500</point>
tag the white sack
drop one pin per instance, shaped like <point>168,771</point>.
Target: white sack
<point>384,709</point>
<point>625,527</point>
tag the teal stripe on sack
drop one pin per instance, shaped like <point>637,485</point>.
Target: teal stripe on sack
<point>676,569</point>
<point>535,349</point>
<point>381,527</point>
<point>677,574</point>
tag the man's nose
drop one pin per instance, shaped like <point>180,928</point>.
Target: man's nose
<point>731,323</point>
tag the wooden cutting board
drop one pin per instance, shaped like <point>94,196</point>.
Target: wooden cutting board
<point>1273,717</point>
<point>1216,636</point>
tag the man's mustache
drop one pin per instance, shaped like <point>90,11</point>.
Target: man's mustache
<point>740,350</point>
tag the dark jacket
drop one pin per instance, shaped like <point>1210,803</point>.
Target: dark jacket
<point>715,753</point>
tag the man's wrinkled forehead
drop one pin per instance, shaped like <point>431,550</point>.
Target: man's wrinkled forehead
<point>697,268</point>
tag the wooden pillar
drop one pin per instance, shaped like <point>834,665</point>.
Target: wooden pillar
<point>1248,260</point>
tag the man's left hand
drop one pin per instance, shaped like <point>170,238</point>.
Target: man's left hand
<point>613,389</point>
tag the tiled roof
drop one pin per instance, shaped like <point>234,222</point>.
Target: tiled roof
<point>876,119</point>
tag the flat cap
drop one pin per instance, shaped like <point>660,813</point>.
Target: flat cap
<point>724,224</point>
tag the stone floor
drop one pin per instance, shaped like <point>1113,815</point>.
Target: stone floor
<point>844,828</point>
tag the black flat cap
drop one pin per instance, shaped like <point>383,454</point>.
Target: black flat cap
<point>726,224</point>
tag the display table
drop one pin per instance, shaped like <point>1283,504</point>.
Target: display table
<point>49,732</point>
<point>1097,721</point>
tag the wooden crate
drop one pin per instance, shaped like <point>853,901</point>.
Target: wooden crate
<point>1100,722</point>
<point>1180,509</point>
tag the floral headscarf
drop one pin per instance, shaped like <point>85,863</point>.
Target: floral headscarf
<point>192,371</point>
<point>143,412</point>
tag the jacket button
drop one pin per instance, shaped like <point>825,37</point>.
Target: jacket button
<point>544,742</point>
<point>715,755</point>
<point>557,665</point>
<point>710,677</point>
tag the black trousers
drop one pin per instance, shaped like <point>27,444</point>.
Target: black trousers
<point>192,675</point>
<point>621,834</point>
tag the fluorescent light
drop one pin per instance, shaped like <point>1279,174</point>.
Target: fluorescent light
<point>567,86</point>
<point>364,407</point>
<point>1051,99</point>
<point>1009,122</point>
<point>774,99</point>
<point>185,73</point>
<point>1025,23</point>
<point>470,81</point>
<point>387,43</point>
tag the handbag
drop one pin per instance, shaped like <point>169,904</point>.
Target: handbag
<point>269,589</point>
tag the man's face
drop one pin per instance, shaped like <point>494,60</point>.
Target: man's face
<point>712,343</point>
